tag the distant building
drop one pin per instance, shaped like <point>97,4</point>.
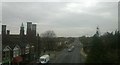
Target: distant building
<point>97,32</point>
<point>16,46</point>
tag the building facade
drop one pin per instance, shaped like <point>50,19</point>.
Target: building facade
<point>22,46</point>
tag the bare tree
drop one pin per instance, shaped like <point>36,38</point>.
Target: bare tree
<point>49,34</point>
<point>49,41</point>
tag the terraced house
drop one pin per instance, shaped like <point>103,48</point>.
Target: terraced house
<point>19,48</point>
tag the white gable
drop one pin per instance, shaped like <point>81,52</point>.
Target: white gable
<point>7,48</point>
<point>16,47</point>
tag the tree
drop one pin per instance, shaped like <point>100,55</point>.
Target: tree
<point>96,53</point>
<point>105,49</point>
<point>49,40</point>
<point>48,34</point>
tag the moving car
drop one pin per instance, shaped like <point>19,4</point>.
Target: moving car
<point>70,49</point>
<point>44,59</point>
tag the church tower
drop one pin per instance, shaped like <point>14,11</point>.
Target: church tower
<point>34,29</point>
<point>22,30</point>
<point>29,29</point>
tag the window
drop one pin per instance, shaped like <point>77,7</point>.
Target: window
<point>32,49</point>
<point>27,49</point>
<point>16,51</point>
<point>3,55</point>
<point>6,53</point>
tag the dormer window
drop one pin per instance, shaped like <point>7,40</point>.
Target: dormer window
<point>16,51</point>
<point>6,53</point>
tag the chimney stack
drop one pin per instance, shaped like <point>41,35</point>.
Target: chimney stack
<point>8,32</point>
<point>3,30</point>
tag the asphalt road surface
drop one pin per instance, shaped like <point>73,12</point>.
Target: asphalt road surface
<point>70,57</point>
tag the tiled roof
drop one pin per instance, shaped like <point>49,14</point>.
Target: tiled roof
<point>13,40</point>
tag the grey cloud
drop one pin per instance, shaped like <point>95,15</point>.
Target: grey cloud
<point>53,15</point>
<point>56,0</point>
<point>0,11</point>
<point>30,11</point>
<point>0,16</point>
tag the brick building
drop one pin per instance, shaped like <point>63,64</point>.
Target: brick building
<point>22,46</point>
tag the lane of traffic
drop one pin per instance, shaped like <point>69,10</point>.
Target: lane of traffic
<point>70,55</point>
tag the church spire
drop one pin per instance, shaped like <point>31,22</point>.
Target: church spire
<point>22,29</point>
<point>22,25</point>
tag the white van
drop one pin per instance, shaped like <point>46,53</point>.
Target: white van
<point>44,59</point>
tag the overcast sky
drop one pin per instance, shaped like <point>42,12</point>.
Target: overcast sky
<point>58,0</point>
<point>64,18</point>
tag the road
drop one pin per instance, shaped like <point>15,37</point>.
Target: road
<point>70,57</point>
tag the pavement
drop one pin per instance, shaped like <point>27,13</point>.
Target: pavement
<point>83,53</point>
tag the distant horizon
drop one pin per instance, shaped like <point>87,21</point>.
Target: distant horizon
<point>65,36</point>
